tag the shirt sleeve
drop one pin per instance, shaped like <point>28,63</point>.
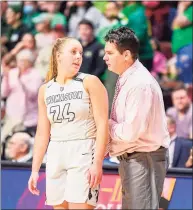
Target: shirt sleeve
<point>31,86</point>
<point>188,13</point>
<point>137,112</point>
<point>5,89</point>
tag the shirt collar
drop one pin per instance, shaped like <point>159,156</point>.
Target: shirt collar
<point>129,71</point>
<point>172,138</point>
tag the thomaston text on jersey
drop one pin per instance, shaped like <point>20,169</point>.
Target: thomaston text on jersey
<point>64,97</point>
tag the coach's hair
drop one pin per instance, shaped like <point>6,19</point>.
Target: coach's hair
<point>57,47</point>
<point>125,39</point>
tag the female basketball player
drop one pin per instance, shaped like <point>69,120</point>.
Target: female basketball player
<point>73,115</point>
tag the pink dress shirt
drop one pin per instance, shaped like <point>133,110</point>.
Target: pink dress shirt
<point>138,122</point>
<point>22,94</point>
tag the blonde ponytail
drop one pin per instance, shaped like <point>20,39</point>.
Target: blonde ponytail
<point>53,71</point>
<point>52,66</point>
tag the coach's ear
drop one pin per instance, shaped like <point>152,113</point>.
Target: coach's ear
<point>127,55</point>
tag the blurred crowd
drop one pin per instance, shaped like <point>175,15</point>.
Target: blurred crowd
<point>29,29</point>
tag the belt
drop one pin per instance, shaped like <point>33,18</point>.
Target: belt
<point>126,155</point>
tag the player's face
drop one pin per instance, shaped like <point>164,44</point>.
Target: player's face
<point>113,58</point>
<point>70,58</point>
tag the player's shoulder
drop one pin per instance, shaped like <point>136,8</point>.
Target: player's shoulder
<point>42,88</point>
<point>45,85</point>
<point>92,82</point>
<point>48,84</point>
<point>85,77</point>
<point>91,79</point>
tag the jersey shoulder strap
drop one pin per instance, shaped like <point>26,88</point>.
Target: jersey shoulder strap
<point>49,84</point>
<point>80,76</point>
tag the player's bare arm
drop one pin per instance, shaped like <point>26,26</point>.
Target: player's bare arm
<point>99,101</point>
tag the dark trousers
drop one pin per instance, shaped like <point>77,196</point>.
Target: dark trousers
<point>142,177</point>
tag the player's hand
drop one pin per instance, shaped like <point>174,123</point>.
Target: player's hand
<point>32,183</point>
<point>95,175</point>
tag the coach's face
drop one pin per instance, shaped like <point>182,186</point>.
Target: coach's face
<point>115,61</point>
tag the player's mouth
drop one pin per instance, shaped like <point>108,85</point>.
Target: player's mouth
<point>76,65</point>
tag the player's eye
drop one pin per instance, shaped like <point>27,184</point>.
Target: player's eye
<point>74,52</point>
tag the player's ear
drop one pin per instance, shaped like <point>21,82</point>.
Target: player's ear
<point>58,56</point>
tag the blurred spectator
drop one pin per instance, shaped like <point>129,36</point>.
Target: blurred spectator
<point>16,29</point>
<point>42,6</point>
<point>181,112</point>
<point>112,10</point>
<point>79,10</point>
<point>45,34</point>
<point>4,51</point>
<point>30,11</point>
<point>138,22</point>
<point>171,68</point>
<point>189,162</point>
<point>4,6</point>
<point>169,80</point>
<point>158,14</point>
<point>93,51</point>
<point>57,18</point>
<point>179,148</point>
<point>2,111</point>
<point>101,5</point>
<point>121,4</point>
<point>112,19</point>
<point>19,148</point>
<point>182,40</point>
<point>21,83</point>
<point>6,65</point>
<point>43,59</point>
<point>159,60</point>
<point>58,30</point>
<point>27,42</point>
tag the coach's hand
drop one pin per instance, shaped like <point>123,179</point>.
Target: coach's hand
<point>32,183</point>
<point>95,175</point>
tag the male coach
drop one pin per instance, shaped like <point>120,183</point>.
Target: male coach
<point>138,129</point>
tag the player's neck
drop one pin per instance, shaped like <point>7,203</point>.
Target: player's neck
<point>63,78</point>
